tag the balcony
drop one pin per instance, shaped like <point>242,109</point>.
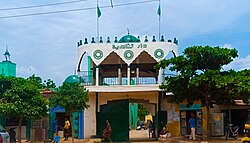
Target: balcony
<point>88,78</point>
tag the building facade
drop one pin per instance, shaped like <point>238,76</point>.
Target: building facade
<point>119,73</point>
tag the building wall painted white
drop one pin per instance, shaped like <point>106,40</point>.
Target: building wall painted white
<point>90,117</point>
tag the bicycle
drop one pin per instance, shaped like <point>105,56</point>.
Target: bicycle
<point>233,131</point>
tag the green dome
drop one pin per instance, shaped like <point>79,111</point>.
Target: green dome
<point>72,79</point>
<point>128,38</point>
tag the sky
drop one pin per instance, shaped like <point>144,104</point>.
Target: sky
<point>46,44</point>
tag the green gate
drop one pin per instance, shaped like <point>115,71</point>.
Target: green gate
<point>117,112</point>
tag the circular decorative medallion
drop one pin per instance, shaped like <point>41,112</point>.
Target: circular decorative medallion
<point>159,53</point>
<point>98,54</point>
<point>128,54</point>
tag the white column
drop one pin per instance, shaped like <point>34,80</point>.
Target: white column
<point>137,75</point>
<point>128,75</point>
<point>119,76</point>
<point>160,76</point>
<point>97,76</point>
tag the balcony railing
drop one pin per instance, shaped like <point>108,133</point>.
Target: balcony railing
<point>87,78</point>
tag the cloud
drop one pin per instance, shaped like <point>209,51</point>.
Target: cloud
<point>25,72</point>
<point>229,46</point>
<point>239,64</point>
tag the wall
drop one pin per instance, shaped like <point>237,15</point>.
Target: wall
<point>173,116</point>
<point>90,117</point>
<point>8,68</point>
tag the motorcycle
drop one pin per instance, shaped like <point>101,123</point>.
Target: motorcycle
<point>232,131</point>
<point>12,134</point>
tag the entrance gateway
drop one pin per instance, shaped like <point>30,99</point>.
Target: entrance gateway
<point>117,73</point>
<point>115,108</point>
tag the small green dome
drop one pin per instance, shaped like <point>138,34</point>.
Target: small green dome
<point>72,79</point>
<point>128,38</point>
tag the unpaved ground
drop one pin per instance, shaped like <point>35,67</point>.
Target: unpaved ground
<point>141,136</point>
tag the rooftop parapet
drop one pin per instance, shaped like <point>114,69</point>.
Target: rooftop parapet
<point>125,39</point>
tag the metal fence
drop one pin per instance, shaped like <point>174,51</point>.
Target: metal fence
<point>87,78</point>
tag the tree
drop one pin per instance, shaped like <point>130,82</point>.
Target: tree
<point>49,83</point>
<point>198,68</point>
<point>72,97</point>
<point>36,81</point>
<point>143,111</point>
<point>5,84</point>
<point>23,101</point>
<point>232,86</point>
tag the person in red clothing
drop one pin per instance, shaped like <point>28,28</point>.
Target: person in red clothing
<point>107,131</point>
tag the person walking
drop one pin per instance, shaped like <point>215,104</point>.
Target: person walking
<point>66,129</point>
<point>107,131</point>
<point>192,126</point>
<point>150,128</point>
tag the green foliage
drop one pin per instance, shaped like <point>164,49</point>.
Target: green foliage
<point>5,84</point>
<point>71,96</point>
<point>23,100</point>
<point>232,85</point>
<point>49,83</point>
<point>142,111</point>
<point>199,58</point>
<point>36,80</point>
<point>200,76</point>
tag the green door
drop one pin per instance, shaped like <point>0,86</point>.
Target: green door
<point>117,112</point>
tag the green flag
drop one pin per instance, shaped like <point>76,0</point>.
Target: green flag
<point>159,10</point>
<point>99,13</point>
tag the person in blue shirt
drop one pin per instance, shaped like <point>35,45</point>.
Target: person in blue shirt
<point>192,126</point>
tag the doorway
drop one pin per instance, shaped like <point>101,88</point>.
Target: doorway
<point>185,116</point>
<point>125,119</point>
<point>60,116</point>
<point>188,116</point>
<point>117,113</point>
<point>143,123</point>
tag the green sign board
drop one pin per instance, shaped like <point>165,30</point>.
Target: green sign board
<point>192,107</point>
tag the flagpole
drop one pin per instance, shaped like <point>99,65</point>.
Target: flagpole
<point>97,15</point>
<point>111,3</point>
<point>159,21</point>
